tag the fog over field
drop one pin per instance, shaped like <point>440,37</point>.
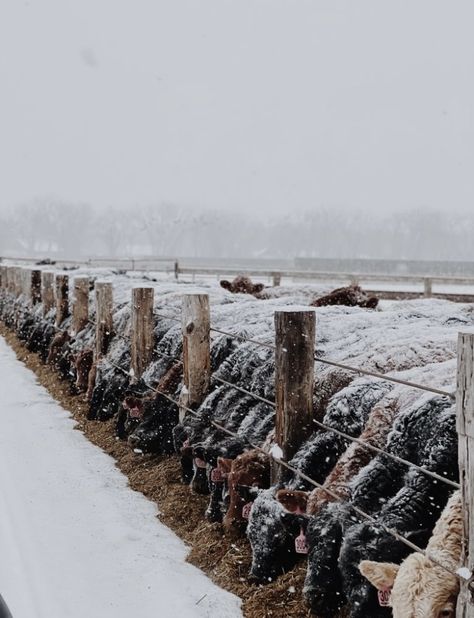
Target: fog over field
<point>263,128</point>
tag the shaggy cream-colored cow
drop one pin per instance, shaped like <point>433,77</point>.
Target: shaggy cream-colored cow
<point>419,587</point>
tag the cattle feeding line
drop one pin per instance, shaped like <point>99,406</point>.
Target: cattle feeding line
<point>304,476</point>
<point>344,435</point>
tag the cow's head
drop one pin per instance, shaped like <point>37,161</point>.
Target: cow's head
<point>417,588</point>
<point>226,285</point>
<point>249,471</point>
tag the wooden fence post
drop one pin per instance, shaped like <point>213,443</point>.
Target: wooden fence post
<point>465,429</point>
<point>142,330</point>
<point>428,287</point>
<point>35,286</point>
<point>17,280</point>
<point>27,288</point>
<point>195,324</point>
<point>294,380</point>
<point>80,306</point>
<point>8,279</point>
<point>62,298</point>
<point>104,321</point>
<point>276,279</point>
<point>47,290</point>
<point>176,270</point>
<point>3,277</point>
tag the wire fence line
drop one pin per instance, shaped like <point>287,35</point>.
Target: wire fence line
<point>331,429</point>
<point>326,361</point>
<point>324,426</point>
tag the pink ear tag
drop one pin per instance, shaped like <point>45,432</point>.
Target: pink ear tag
<point>134,412</point>
<point>384,597</point>
<point>200,463</point>
<point>246,510</point>
<point>301,545</point>
<point>216,475</point>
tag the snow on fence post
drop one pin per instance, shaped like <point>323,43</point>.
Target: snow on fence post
<point>176,270</point>
<point>142,342</point>
<point>104,321</point>
<point>62,298</point>
<point>276,279</point>
<point>428,287</point>
<point>35,286</point>
<point>47,290</point>
<point>196,324</point>
<point>80,306</point>
<point>465,429</point>
<point>294,381</point>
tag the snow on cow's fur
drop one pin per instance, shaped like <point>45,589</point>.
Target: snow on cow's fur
<point>419,586</point>
<point>407,501</point>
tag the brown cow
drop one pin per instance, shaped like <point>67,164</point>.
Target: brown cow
<point>249,470</point>
<point>351,296</point>
<point>82,362</point>
<point>57,356</point>
<point>242,285</point>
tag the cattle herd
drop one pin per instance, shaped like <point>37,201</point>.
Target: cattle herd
<point>352,563</point>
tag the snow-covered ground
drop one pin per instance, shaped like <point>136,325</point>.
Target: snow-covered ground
<point>75,541</point>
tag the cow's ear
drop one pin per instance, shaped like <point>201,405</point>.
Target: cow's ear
<point>225,284</point>
<point>382,575</point>
<point>224,464</point>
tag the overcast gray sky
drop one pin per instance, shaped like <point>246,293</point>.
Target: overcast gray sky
<point>258,104</point>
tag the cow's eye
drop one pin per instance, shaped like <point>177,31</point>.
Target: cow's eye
<point>446,613</point>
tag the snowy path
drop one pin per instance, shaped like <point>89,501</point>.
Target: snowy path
<point>75,541</point>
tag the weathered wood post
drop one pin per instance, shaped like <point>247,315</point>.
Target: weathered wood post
<point>104,321</point>
<point>428,287</point>
<point>27,276</point>
<point>62,298</point>
<point>47,290</point>
<point>80,306</point>
<point>18,281</point>
<point>142,329</point>
<point>465,429</point>
<point>3,277</point>
<point>11,280</point>
<point>294,380</point>
<point>35,286</point>
<point>176,270</point>
<point>196,325</point>
<point>276,279</point>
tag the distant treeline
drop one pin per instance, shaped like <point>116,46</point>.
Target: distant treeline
<point>48,227</point>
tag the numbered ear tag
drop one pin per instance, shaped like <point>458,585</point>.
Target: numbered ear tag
<point>200,463</point>
<point>134,412</point>
<point>384,597</point>
<point>216,476</point>
<point>246,510</point>
<point>301,544</point>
